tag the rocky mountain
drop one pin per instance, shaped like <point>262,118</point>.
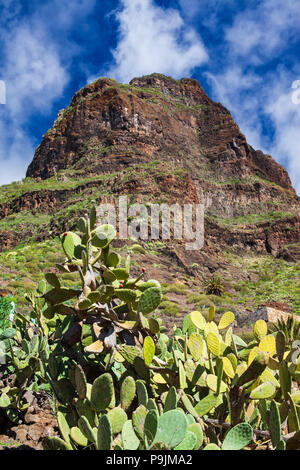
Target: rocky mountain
<point>162,140</point>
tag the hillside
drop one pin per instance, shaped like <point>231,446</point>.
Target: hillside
<point>159,140</point>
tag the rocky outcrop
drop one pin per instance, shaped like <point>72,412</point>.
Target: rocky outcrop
<point>154,117</point>
<point>158,140</point>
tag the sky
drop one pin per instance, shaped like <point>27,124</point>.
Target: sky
<point>245,54</point>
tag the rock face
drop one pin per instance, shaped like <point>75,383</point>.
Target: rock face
<point>155,121</point>
<point>154,117</point>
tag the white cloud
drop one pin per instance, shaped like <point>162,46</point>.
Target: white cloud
<point>261,33</point>
<point>257,36</point>
<point>153,39</point>
<point>35,69</point>
<point>285,115</point>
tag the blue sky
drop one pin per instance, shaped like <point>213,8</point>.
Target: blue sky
<point>244,53</point>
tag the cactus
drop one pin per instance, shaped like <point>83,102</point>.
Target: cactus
<point>254,370</point>
<point>195,344</point>
<point>149,300</point>
<point>226,320</point>
<point>102,392</point>
<point>151,425</point>
<point>130,440</point>
<point>197,430</point>
<point>117,418</point>
<point>127,392</point>
<point>55,443</point>
<point>149,350</point>
<point>197,320</point>
<point>78,437</point>
<point>206,405</point>
<point>64,428</point>
<point>80,382</point>
<point>260,330</point>
<point>265,390</point>
<point>274,424</point>
<point>188,443</point>
<point>138,420</point>
<point>238,437</point>
<point>142,392</point>
<point>104,434</point>
<point>171,400</point>
<point>87,429</point>
<point>172,428</point>
<point>99,330</point>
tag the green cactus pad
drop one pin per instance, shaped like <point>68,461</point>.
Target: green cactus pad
<point>146,285</point>
<point>82,225</point>
<point>126,295</point>
<point>103,236</point>
<point>80,382</point>
<point>129,438</point>
<point>84,408</point>
<point>260,330</point>
<point>130,353</point>
<point>153,326</point>
<point>171,400</point>
<point>197,430</point>
<point>78,437</point>
<point>172,428</point>
<point>238,437</point>
<point>265,390</point>
<point>211,313</point>
<point>55,443</point>
<point>127,392</point>
<point>63,426</point>
<point>196,345</point>
<point>188,443</point>
<point>104,434</point>
<point>151,425</point>
<point>53,280</point>
<point>121,274</point>
<point>151,405</point>
<point>206,405</point>
<point>149,350</point>
<point>142,393</point>
<point>87,429</point>
<point>274,424</point>
<point>211,447</point>
<point>113,260</point>
<point>102,394</point>
<point>255,369</point>
<point>149,300</point>
<point>182,376</point>
<point>138,420</point>
<point>117,418</point>
<point>280,345</point>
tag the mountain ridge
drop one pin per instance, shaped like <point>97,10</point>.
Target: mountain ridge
<point>159,140</point>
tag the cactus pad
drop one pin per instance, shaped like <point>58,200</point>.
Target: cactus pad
<point>117,418</point>
<point>149,350</point>
<point>127,392</point>
<point>238,437</point>
<point>226,320</point>
<point>172,428</point>
<point>102,392</point>
<point>149,300</point>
